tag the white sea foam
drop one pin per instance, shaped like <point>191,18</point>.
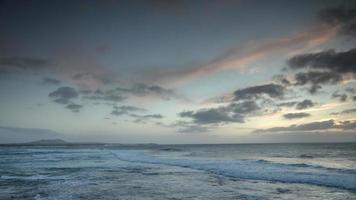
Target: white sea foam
<point>252,169</point>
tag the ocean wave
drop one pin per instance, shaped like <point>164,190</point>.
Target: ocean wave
<point>32,177</point>
<point>253,169</point>
<point>309,166</point>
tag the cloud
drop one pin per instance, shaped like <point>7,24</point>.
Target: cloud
<point>281,79</point>
<point>241,57</point>
<point>290,116</point>
<point>63,95</point>
<point>325,67</point>
<point>313,126</point>
<point>132,111</point>
<point>119,94</point>
<point>125,110</point>
<point>141,89</point>
<point>192,129</point>
<point>19,64</point>
<point>323,125</point>
<point>270,90</point>
<point>245,107</point>
<point>347,111</point>
<point>50,81</point>
<point>342,18</point>
<point>315,79</point>
<point>145,118</point>
<point>189,127</point>
<point>155,116</point>
<point>337,62</point>
<point>105,97</point>
<point>287,104</point>
<point>350,90</point>
<point>74,107</point>
<point>304,104</point>
<point>212,116</point>
<point>341,97</point>
<point>347,125</point>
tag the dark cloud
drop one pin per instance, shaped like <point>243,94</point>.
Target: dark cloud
<point>74,107</point>
<point>85,92</point>
<point>80,76</point>
<point>145,118</point>
<point>287,104</point>
<point>100,95</point>
<point>120,93</point>
<point>231,113</point>
<point>339,62</point>
<point>270,90</point>
<point>147,90</point>
<point>63,95</point>
<point>133,111</point>
<point>124,110</point>
<point>188,127</point>
<point>347,125</point>
<point>313,126</point>
<point>16,64</point>
<point>281,79</point>
<point>323,125</point>
<point>295,115</point>
<point>50,81</point>
<point>350,90</point>
<point>341,97</point>
<point>242,108</point>
<point>347,111</point>
<point>304,104</point>
<point>154,116</point>
<point>326,67</point>
<point>340,17</point>
<point>106,97</point>
<point>212,116</point>
<point>316,78</point>
<point>192,129</point>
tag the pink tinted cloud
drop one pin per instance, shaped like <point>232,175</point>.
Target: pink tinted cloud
<point>241,58</point>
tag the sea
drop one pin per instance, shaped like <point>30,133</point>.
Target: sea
<point>172,172</point>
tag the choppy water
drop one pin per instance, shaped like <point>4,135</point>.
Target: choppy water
<point>241,171</point>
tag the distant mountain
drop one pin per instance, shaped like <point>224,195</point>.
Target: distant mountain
<point>48,142</point>
<point>15,135</point>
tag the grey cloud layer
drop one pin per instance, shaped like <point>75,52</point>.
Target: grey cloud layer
<point>16,64</point>
<point>74,107</point>
<point>50,81</point>
<point>270,90</point>
<point>339,62</point>
<point>290,116</point>
<point>119,94</point>
<point>211,116</point>
<point>313,126</point>
<point>64,95</point>
<point>304,104</point>
<point>125,110</point>
<point>347,111</point>
<point>326,67</point>
<point>341,17</point>
<point>233,112</point>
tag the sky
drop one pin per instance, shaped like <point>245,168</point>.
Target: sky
<point>156,71</point>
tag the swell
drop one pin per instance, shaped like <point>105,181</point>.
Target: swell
<point>309,166</point>
<point>252,169</point>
